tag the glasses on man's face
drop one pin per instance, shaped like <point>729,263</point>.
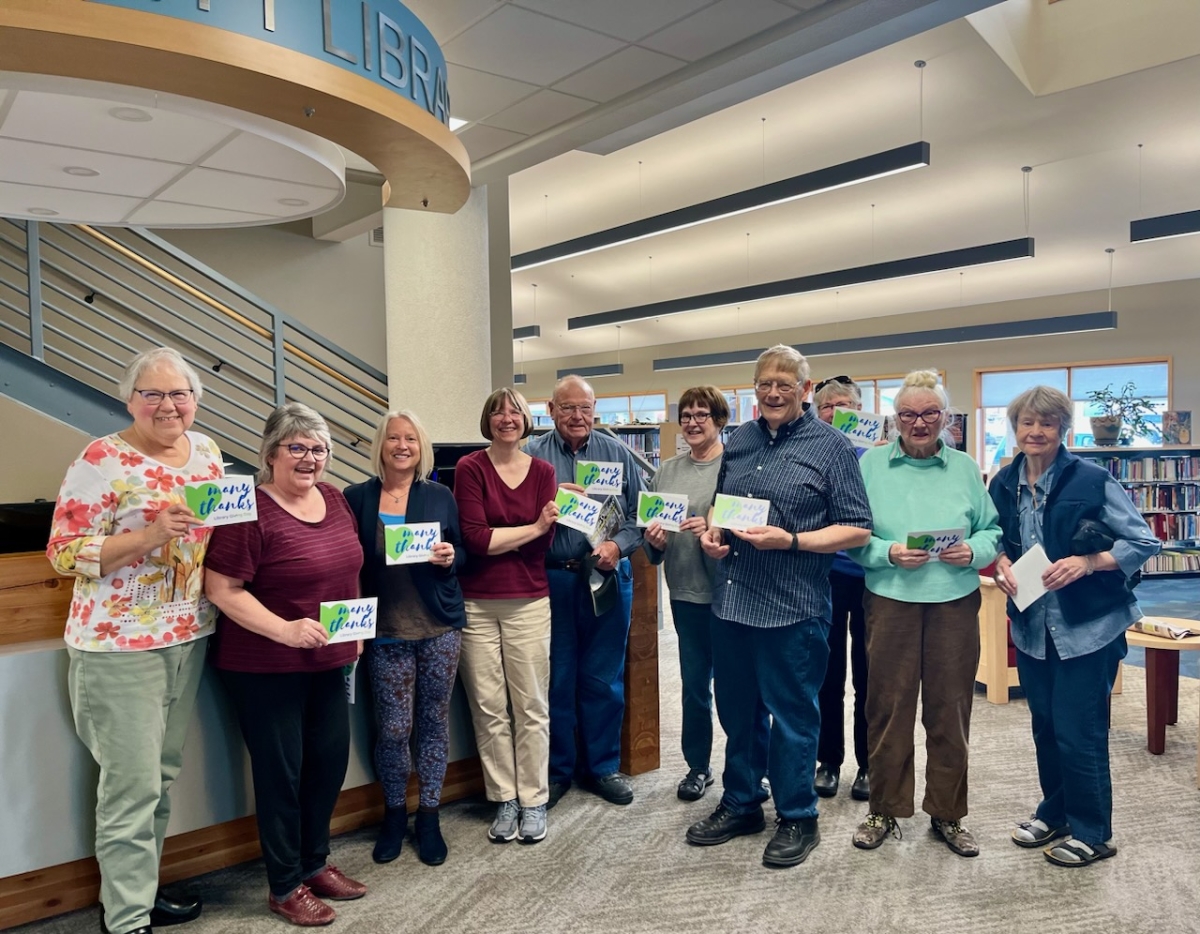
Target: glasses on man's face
<point>766,385</point>
<point>156,396</point>
<point>929,417</point>
<point>698,417</point>
<point>569,410</point>
<point>298,451</point>
<point>844,380</point>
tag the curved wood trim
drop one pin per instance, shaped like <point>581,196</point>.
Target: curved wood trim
<point>421,159</point>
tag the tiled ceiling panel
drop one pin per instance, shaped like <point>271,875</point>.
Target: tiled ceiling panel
<point>619,74</point>
<point>446,18</point>
<point>501,44</point>
<point>475,95</point>
<point>165,214</point>
<point>232,192</point>
<point>272,160</point>
<point>89,124</point>
<point>626,19</point>
<point>540,112</point>
<point>45,165</point>
<point>718,27</point>
<point>481,141</point>
<point>17,200</point>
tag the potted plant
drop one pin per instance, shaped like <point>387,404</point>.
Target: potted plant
<point>1123,415</point>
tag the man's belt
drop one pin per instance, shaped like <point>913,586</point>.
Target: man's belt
<point>573,565</point>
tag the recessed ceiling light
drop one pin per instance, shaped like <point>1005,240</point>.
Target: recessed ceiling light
<point>294,202</point>
<point>456,124</point>
<point>130,114</point>
<point>42,212</point>
<point>82,171</point>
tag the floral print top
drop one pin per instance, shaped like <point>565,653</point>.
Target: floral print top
<point>111,488</point>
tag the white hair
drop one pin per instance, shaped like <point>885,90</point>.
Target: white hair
<point>149,358</point>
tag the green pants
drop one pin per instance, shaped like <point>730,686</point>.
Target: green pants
<point>131,711</point>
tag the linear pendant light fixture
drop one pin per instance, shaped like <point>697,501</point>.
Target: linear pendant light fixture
<point>1000,330</point>
<point>1164,227</point>
<point>860,275</point>
<point>527,332</point>
<point>879,165</point>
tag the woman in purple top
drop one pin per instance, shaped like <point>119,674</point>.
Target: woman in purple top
<point>506,507</point>
<point>269,578</point>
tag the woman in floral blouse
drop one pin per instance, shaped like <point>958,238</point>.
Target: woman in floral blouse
<point>134,630</point>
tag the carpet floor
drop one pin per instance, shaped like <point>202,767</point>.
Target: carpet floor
<point>627,870</point>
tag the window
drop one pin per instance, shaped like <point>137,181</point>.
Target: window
<point>998,388</point>
<point>646,409</point>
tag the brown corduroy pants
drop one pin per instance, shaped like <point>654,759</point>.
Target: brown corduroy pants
<point>931,649</point>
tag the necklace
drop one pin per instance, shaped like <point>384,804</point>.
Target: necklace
<point>395,498</point>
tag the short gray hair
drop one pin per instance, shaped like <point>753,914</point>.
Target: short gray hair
<point>424,444</point>
<point>149,358</point>
<point>1046,402</point>
<point>288,421</point>
<point>834,388</point>
<point>785,358</point>
<point>575,379</point>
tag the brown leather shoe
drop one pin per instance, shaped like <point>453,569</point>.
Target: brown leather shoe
<point>332,883</point>
<point>302,908</point>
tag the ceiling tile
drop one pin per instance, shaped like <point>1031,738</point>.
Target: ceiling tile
<point>446,18</point>
<point>165,214</point>
<point>718,27</point>
<point>626,19</point>
<point>257,155</point>
<point>502,44</point>
<point>475,95</point>
<point>232,192</point>
<point>540,112</point>
<point>481,141</point>
<point>42,164</point>
<point>618,74</point>
<point>72,206</point>
<point>87,123</point>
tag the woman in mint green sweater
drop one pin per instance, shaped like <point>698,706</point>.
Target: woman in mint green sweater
<point>935,528</point>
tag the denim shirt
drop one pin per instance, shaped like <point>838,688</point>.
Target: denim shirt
<point>1134,545</point>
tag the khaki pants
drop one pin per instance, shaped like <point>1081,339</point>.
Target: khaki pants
<point>931,649</point>
<point>505,661</point>
<point>132,711</point>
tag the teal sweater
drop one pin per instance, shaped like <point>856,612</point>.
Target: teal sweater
<point>907,495</point>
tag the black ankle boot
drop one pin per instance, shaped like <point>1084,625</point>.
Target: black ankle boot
<point>431,847</point>
<point>391,835</point>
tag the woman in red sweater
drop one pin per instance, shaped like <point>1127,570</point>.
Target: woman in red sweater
<point>507,513</point>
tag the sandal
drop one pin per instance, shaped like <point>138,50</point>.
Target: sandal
<point>1036,832</point>
<point>1073,853</point>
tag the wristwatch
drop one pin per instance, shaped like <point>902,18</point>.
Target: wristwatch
<point>1090,568</point>
<point>796,543</point>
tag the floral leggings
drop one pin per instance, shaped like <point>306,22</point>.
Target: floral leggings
<point>412,681</point>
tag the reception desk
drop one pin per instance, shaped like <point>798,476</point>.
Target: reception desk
<point>48,779</point>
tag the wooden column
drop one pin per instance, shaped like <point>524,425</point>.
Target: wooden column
<point>639,731</point>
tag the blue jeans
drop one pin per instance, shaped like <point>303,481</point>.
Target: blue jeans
<point>587,676</point>
<point>693,623</point>
<point>1068,704</point>
<point>766,683</point>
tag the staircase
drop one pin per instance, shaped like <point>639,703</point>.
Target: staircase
<point>78,302</point>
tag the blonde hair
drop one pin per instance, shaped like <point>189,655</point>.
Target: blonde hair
<point>424,445</point>
<point>924,381</point>
<point>785,358</point>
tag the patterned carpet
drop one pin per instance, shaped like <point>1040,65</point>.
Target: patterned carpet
<point>628,871</point>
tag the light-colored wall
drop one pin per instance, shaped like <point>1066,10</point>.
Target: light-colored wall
<point>334,288</point>
<point>26,478</point>
<point>1153,321</point>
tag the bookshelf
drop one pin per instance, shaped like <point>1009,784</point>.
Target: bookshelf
<point>1164,484</point>
<point>643,440</point>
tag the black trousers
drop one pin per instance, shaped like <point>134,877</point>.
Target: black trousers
<point>297,728</point>
<point>847,592</point>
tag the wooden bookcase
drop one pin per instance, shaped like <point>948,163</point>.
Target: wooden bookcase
<point>1164,484</point>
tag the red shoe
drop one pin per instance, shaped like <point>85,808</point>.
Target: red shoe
<point>302,908</point>
<point>331,882</point>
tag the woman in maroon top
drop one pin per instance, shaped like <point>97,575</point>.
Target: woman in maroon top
<point>507,513</point>
<point>269,579</point>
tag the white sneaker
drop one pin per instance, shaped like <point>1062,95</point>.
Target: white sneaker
<point>533,824</point>
<point>504,827</point>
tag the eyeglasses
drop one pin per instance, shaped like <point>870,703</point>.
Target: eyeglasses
<point>698,417</point>
<point>155,396</point>
<point>827,407</point>
<point>568,410</point>
<point>844,380</point>
<point>929,417</point>
<point>298,451</point>
<point>766,385</point>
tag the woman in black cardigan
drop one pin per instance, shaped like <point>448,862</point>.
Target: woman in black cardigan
<point>414,657</point>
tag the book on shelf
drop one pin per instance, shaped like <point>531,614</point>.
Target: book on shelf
<point>1177,427</point>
